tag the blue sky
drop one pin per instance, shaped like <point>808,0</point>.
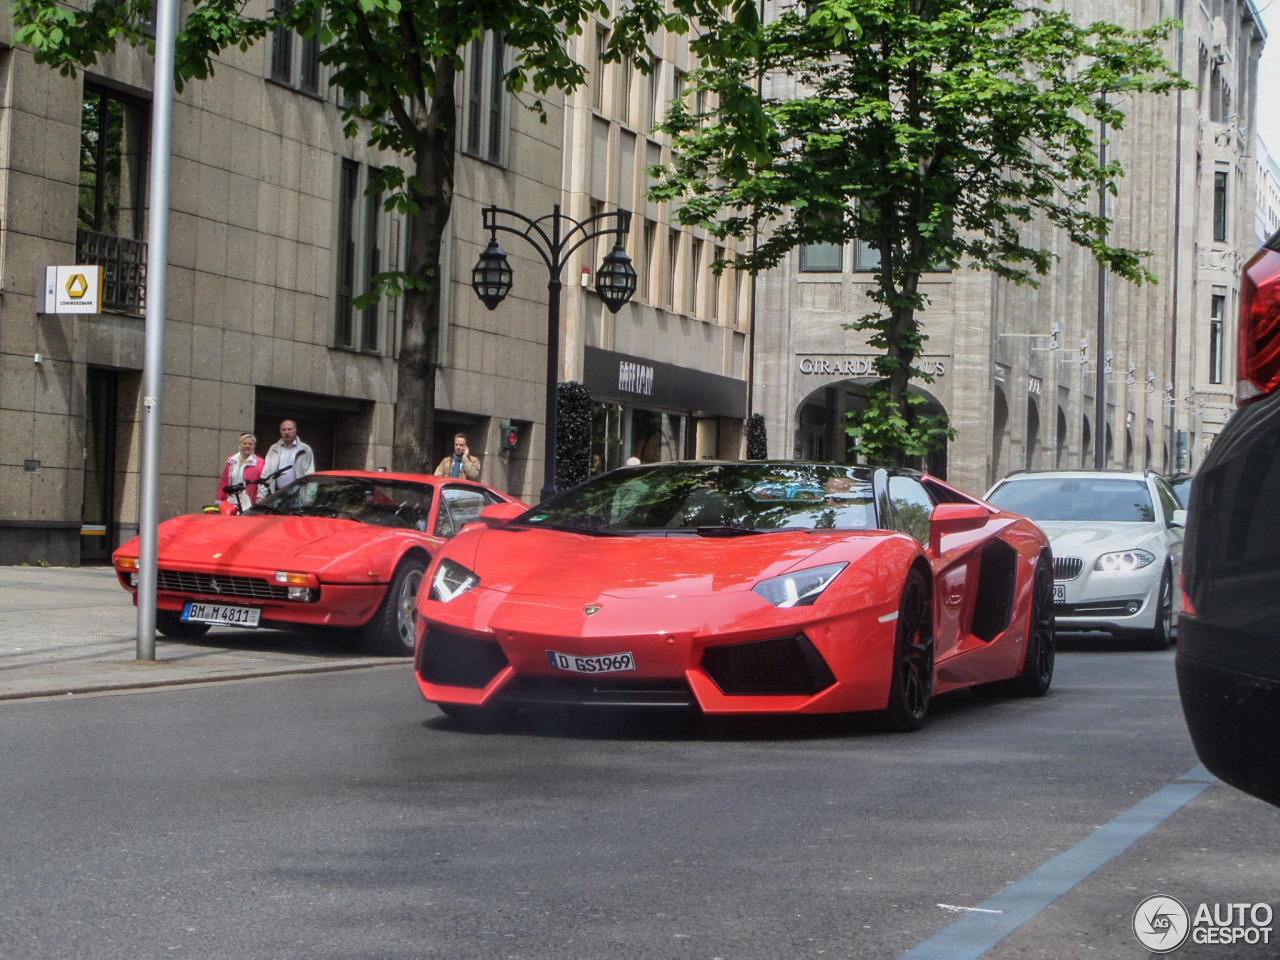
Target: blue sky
<point>1269,77</point>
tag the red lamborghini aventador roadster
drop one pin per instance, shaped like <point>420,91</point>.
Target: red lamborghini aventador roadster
<point>335,549</point>
<point>753,587</point>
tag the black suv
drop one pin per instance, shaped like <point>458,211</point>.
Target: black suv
<point>1228,659</point>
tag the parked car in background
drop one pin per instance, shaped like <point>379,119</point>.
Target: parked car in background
<point>1228,660</point>
<point>1117,547</point>
<point>1181,484</point>
<point>767,587</point>
<point>335,549</point>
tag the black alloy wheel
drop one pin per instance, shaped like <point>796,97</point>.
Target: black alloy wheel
<point>911,685</point>
<point>172,625</point>
<point>1158,637</point>
<point>1037,666</point>
<point>390,631</point>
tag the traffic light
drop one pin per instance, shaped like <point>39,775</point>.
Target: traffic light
<point>510,434</point>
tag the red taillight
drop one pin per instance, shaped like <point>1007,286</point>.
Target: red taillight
<point>1259,348</point>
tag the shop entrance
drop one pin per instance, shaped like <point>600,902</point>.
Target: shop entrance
<point>820,426</point>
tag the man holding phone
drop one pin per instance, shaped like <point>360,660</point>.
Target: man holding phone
<point>461,464</point>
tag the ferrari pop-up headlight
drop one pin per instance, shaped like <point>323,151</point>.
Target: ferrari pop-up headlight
<point>799,588</point>
<point>1124,561</point>
<point>451,580</point>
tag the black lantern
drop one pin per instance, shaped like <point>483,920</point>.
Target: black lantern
<point>491,276</point>
<point>616,278</point>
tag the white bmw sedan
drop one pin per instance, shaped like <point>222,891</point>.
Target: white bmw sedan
<point>1117,547</point>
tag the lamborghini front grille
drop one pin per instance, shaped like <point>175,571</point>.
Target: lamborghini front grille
<point>457,660</point>
<point>788,665</point>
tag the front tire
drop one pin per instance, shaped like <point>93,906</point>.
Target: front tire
<point>390,632</point>
<point>911,684</point>
<point>1158,637</point>
<point>172,625</point>
<point>1037,667</point>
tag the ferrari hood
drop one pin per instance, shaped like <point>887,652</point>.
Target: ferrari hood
<point>546,562</point>
<point>267,542</point>
<point>1070,538</point>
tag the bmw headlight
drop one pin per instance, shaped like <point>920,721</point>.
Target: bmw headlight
<point>798,588</point>
<point>451,580</point>
<point>1124,561</point>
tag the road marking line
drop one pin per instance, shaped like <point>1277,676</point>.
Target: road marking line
<point>947,906</point>
<point>982,928</point>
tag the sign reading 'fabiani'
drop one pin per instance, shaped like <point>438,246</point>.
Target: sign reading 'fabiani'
<point>635,378</point>
<point>846,365</point>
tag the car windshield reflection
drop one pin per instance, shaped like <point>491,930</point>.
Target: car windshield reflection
<point>377,502</point>
<point>714,499</point>
<point>1079,499</point>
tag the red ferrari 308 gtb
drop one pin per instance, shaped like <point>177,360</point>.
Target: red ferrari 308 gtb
<point>335,549</point>
<point>754,587</point>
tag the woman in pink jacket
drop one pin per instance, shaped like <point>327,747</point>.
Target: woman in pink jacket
<point>245,467</point>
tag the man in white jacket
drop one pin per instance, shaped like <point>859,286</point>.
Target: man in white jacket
<point>290,453</point>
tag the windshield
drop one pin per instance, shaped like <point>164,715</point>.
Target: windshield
<point>1113,500</point>
<point>379,502</point>
<point>714,499</point>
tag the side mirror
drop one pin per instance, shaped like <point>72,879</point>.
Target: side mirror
<point>1179,518</point>
<point>496,514</point>
<point>955,518</point>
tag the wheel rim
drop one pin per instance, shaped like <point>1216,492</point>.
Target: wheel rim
<point>405,604</point>
<point>1166,604</point>
<point>915,668</point>
<point>1044,623</point>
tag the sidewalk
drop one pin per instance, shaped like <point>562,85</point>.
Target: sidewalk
<point>74,630</point>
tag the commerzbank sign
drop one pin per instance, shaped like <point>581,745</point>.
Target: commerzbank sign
<point>861,365</point>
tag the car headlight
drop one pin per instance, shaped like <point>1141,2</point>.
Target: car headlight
<point>799,588</point>
<point>451,580</point>
<point>1124,561</point>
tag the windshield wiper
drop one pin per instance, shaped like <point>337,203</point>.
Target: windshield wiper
<point>595,531</point>
<point>726,531</point>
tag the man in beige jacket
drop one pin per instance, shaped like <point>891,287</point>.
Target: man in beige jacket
<point>461,464</point>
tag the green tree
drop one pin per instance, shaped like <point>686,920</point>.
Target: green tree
<point>397,63</point>
<point>931,130</point>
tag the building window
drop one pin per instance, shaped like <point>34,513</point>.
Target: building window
<point>645,278</point>
<point>657,109</point>
<point>1220,207</point>
<point>295,59</point>
<point>1216,309</point>
<point>111,193</point>
<point>821,258</point>
<point>358,259</point>
<point>486,120</point>
<point>597,88</point>
<point>673,259</point>
<point>695,283</point>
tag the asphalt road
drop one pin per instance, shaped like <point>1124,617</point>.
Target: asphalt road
<point>336,815</point>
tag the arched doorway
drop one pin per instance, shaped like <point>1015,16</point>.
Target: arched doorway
<point>1033,435</point>
<point>999,436</point>
<point>820,425</point>
<point>1086,444</point>
<point>1060,455</point>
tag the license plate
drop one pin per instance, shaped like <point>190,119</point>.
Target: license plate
<point>608,663</point>
<point>1059,593</point>
<point>221,613</point>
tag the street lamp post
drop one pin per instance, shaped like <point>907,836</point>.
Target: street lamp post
<point>555,236</point>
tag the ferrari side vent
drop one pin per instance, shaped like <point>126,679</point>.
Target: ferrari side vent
<point>457,660</point>
<point>1067,568</point>
<point>788,665</point>
<point>996,579</point>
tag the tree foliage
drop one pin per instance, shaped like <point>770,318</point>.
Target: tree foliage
<point>397,64</point>
<point>757,437</point>
<point>935,132</point>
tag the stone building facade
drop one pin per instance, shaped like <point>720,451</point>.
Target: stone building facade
<point>1015,368</point>
<point>271,236</point>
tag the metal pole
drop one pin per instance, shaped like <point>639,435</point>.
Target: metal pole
<point>153,353</point>
<point>553,358</point>
<point>1100,386</point>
